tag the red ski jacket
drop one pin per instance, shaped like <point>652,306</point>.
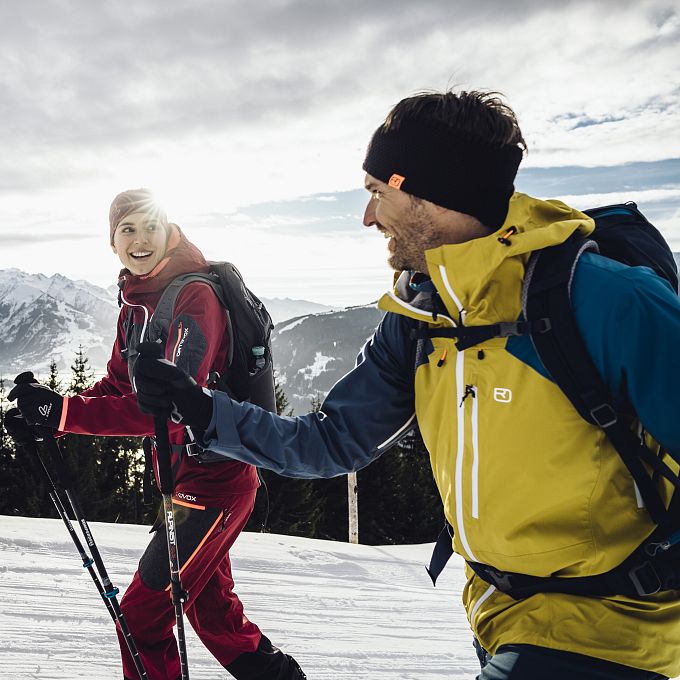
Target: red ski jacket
<point>197,343</point>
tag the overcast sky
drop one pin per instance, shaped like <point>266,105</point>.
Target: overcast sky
<point>250,120</point>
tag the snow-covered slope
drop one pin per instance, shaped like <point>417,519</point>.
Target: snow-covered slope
<point>313,352</point>
<point>344,611</point>
<point>46,318</point>
<point>281,309</point>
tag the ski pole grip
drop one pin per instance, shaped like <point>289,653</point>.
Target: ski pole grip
<point>160,422</point>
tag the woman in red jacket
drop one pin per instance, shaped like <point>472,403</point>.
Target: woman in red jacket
<point>213,501</point>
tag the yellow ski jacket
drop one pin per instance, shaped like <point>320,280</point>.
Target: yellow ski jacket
<point>527,485</point>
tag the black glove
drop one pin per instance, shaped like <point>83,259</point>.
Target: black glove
<point>17,427</point>
<point>165,390</point>
<point>38,404</point>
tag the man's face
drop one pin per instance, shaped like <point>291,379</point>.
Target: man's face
<point>140,242</point>
<point>408,222</point>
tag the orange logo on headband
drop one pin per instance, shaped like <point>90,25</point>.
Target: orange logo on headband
<point>396,181</point>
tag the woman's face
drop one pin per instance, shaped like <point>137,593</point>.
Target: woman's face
<point>140,242</point>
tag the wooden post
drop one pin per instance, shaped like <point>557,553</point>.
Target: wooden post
<point>353,507</point>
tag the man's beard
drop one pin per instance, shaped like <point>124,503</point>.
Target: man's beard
<point>399,261</point>
<point>409,248</point>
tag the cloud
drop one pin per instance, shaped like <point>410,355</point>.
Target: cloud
<point>574,179</point>
<point>656,185</point>
<point>27,238</point>
<point>85,84</point>
<point>253,118</point>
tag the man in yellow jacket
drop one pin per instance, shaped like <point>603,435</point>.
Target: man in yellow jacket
<point>528,486</point>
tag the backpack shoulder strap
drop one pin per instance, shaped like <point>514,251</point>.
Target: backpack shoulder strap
<point>547,294</point>
<point>159,324</point>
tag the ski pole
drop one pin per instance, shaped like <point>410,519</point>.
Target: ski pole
<point>110,591</point>
<point>167,484</point>
<point>61,510</point>
<point>179,596</point>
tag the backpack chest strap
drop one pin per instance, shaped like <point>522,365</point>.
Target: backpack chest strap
<point>469,336</point>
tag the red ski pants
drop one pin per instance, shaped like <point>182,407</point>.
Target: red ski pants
<point>204,537</point>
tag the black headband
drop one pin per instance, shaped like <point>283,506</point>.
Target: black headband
<point>451,168</point>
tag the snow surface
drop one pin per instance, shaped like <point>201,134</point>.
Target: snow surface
<point>317,368</point>
<point>291,325</point>
<point>344,611</point>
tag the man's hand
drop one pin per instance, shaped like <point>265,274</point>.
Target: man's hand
<point>17,427</point>
<point>38,404</point>
<point>165,390</point>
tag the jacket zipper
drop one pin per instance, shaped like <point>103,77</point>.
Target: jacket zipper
<point>463,391</point>
<point>460,454</point>
<point>460,444</point>
<point>475,453</point>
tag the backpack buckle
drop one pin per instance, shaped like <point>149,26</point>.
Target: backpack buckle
<point>501,579</point>
<point>645,579</point>
<point>603,415</point>
<point>193,449</point>
<point>542,325</point>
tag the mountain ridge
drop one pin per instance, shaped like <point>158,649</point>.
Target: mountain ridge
<point>48,317</point>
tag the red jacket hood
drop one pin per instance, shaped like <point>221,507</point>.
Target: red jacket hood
<point>181,257</point>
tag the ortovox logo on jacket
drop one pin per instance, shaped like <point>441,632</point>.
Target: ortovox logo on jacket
<point>502,394</point>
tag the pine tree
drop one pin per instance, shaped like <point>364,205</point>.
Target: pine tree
<point>109,470</point>
<point>119,479</point>
<point>106,472</point>
<point>53,381</point>
<point>80,451</point>
<point>4,437</point>
<point>332,523</point>
<point>398,498</point>
<point>82,375</point>
<point>282,402</point>
<point>315,403</point>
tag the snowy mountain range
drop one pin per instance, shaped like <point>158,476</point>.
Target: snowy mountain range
<point>48,317</point>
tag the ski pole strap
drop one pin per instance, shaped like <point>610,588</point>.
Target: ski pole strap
<point>469,336</point>
<point>64,470</point>
<point>443,549</point>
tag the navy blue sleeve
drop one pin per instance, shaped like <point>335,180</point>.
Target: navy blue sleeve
<point>363,415</point>
<point>630,320</point>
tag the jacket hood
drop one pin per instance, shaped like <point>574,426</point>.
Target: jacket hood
<point>470,277</point>
<point>181,257</point>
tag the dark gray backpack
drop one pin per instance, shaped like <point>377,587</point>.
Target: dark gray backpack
<point>249,372</point>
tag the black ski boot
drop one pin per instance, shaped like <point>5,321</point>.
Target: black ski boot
<point>266,663</point>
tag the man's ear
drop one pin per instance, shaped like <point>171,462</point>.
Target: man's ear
<point>113,249</point>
